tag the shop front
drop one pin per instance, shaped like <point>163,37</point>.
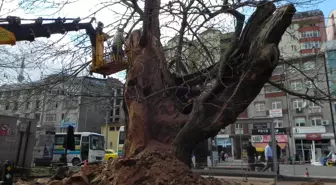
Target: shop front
<point>224,144</point>
<point>312,143</point>
<point>261,137</point>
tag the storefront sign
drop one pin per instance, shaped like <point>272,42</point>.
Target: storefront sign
<point>257,139</point>
<point>225,142</point>
<point>275,113</point>
<point>314,137</point>
<point>66,124</point>
<point>260,126</point>
<point>309,130</point>
<point>267,138</point>
<point>267,131</point>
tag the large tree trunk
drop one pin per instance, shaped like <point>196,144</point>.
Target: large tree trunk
<point>155,118</point>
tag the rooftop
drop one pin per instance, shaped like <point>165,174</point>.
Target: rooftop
<point>305,14</point>
<point>58,79</point>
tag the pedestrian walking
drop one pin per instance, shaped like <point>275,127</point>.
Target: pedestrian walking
<point>269,157</point>
<point>222,156</point>
<point>251,155</point>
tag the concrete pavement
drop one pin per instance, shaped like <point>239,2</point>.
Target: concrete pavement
<point>294,170</point>
<point>266,181</point>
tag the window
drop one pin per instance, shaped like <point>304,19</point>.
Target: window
<point>300,122</point>
<point>316,121</point>
<point>112,128</point>
<point>50,117</point>
<point>59,140</point>
<point>293,68</point>
<point>96,142</point>
<point>310,45</point>
<point>314,108</point>
<point>278,71</point>
<point>119,91</point>
<point>309,34</point>
<point>259,107</point>
<point>278,123</point>
<point>238,126</point>
<point>7,106</point>
<point>37,104</point>
<point>296,85</point>
<point>309,84</point>
<point>271,89</point>
<point>298,103</point>
<point>118,102</point>
<point>37,116</point>
<point>117,111</point>
<point>28,105</point>
<point>308,65</point>
<point>276,105</point>
<point>15,106</point>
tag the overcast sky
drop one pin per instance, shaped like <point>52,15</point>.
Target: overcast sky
<point>111,14</point>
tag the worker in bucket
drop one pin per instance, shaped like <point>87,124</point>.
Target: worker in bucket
<point>118,42</point>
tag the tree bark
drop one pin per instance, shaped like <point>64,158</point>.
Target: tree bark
<point>155,117</point>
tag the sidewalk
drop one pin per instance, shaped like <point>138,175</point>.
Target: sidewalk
<point>250,174</point>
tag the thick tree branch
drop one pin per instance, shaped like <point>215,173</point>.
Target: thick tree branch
<point>301,95</point>
<point>244,73</point>
<point>135,6</point>
<point>184,23</point>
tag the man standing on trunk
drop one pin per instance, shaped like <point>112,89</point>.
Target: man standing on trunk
<point>251,155</point>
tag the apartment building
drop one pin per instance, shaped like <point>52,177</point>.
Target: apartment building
<point>61,100</point>
<point>194,56</point>
<point>303,127</point>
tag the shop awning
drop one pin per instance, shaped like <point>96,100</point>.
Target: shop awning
<point>282,145</point>
<point>260,147</point>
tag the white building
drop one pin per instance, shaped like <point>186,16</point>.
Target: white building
<point>60,100</point>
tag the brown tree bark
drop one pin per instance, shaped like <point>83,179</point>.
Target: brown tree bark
<point>155,117</point>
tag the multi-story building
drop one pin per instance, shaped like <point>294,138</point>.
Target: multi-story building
<point>303,127</point>
<point>60,100</point>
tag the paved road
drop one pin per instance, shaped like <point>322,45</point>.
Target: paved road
<point>299,170</point>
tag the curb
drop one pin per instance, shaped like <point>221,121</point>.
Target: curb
<point>240,173</point>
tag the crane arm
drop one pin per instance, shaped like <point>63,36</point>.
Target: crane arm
<point>28,32</point>
<point>11,31</point>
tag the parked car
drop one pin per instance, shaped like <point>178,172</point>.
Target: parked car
<point>110,154</point>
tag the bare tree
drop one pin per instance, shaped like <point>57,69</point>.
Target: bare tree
<point>174,110</point>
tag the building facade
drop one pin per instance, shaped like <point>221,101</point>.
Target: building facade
<point>303,127</point>
<point>59,100</point>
